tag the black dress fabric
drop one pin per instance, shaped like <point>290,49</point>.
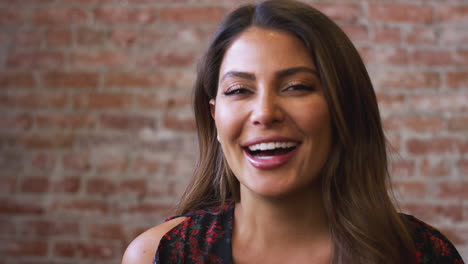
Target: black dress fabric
<point>205,237</point>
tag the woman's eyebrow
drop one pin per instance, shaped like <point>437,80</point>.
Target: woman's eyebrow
<point>294,70</point>
<point>280,73</point>
<point>243,75</point>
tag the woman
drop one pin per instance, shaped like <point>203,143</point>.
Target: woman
<point>293,165</point>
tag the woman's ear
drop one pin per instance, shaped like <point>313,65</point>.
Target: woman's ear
<point>212,107</point>
<point>212,111</point>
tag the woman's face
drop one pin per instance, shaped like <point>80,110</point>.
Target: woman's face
<point>271,116</point>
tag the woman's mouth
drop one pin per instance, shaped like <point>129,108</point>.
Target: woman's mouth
<point>270,155</point>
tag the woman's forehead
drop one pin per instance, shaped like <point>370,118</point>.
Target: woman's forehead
<point>259,50</point>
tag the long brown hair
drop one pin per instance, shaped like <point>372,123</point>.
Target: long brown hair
<point>364,223</point>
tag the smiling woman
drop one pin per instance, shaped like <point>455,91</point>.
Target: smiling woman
<point>293,165</point>
<point>259,112</point>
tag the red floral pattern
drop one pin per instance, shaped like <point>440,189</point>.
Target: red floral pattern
<point>431,245</point>
<point>205,237</point>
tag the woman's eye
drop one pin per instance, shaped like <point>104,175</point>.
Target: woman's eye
<point>236,91</point>
<point>299,87</point>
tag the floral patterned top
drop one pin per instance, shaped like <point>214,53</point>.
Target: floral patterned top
<point>205,237</point>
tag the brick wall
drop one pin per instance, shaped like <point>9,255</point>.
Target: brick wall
<point>97,135</point>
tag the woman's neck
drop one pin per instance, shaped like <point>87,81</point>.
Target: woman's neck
<point>268,222</point>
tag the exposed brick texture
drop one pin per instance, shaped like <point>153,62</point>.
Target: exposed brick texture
<point>97,137</point>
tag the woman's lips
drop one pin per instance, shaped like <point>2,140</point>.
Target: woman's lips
<point>270,162</point>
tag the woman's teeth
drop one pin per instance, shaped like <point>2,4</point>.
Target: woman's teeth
<point>272,146</point>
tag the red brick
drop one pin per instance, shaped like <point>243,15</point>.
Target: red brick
<point>7,184</point>
<point>136,186</point>
<point>15,207</point>
<point>457,79</point>
<point>35,185</point>
<point>101,59</point>
<point>104,140</point>
<point>81,207</point>
<point>146,208</point>
<point>437,145</point>
<point>191,14</point>
<point>59,16</point>
<point>167,59</point>
<point>46,141</point>
<point>125,37</point>
<point>452,190</point>
<point>147,165</point>
<point>91,36</point>
<point>387,35</point>
<point>156,102</point>
<point>103,101</point>
<point>126,122</point>
<point>131,79</point>
<point>414,123</point>
<point>438,102</point>
<point>114,15</point>
<point>386,55</point>
<point>76,161</point>
<point>151,79</point>
<point>28,39</point>
<point>340,12</point>
<point>43,160</point>
<point>11,16</point>
<point>392,102</point>
<point>106,231</point>
<point>168,190</point>
<point>453,14</point>
<point>84,250</point>
<point>184,35</point>
<point>66,185</point>
<point>442,57</point>
<point>411,189</point>
<point>59,37</point>
<point>177,123</point>
<point>150,102</point>
<point>404,13</point>
<point>21,122</point>
<point>388,79</point>
<point>111,163</point>
<point>435,168</point>
<point>33,100</point>
<point>402,169</point>
<point>356,33</point>
<point>47,228</point>
<point>458,123</point>
<point>25,248</point>
<point>28,2</point>
<point>35,60</point>
<point>435,213</point>
<point>65,121</point>
<point>422,35</point>
<point>101,186</point>
<point>462,166</point>
<point>82,80</point>
<point>17,80</point>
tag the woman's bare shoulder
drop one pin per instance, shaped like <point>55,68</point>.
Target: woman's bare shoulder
<point>143,248</point>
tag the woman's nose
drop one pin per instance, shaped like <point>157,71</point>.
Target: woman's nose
<point>266,110</point>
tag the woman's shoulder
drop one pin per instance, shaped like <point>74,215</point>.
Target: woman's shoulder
<point>143,247</point>
<point>431,245</point>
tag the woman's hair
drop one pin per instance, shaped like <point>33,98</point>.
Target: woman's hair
<point>363,221</point>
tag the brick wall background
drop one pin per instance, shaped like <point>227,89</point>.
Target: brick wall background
<point>97,135</point>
